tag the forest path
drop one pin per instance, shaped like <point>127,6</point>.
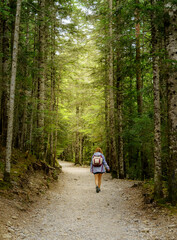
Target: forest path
<point>72,210</point>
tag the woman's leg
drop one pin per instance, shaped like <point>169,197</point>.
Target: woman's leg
<point>99,179</point>
<point>97,182</point>
<point>96,179</point>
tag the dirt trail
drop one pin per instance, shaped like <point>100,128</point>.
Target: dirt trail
<point>72,210</point>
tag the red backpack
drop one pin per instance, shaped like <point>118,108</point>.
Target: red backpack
<point>97,161</point>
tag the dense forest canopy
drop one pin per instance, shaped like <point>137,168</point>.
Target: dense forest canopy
<point>92,73</point>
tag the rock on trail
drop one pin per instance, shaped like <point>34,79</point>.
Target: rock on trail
<point>72,210</point>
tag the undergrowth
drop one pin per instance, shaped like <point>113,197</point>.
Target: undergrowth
<point>22,163</point>
<point>148,189</point>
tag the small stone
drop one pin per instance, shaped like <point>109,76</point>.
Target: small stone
<point>7,236</point>
<point>14,217</point>
<point>25,231</point>
<point>172,226</point>
<point>19,207</point>
<point>145,222</point>
<point>118,215</point>
<point>145,230</point>
<point>64,234</point>
<point>9,224</point>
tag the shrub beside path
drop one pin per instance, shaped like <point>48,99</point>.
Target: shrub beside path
<point>72,210</point>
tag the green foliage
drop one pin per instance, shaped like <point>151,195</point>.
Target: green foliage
<point>76,80</point>
<point>5,185</point>
<point>2,167</point>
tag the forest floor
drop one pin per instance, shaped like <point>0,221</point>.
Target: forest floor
<point>72,210</point>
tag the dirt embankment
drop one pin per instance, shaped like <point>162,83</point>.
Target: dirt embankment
<point>30,179</point>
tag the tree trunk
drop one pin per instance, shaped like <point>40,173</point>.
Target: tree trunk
<point>1,51</point>
<point>12,93</point>
<point>119,104</point>
<point>53,83</point>
<point>34,96</point>
<point>24,123</point>
<point>81,149</point>
<point>139,84</point>
<point>5,79</point>
<point>31,120</point>
<point>27,95</point>
<point>119,119</point>
<point>41,79</point>
<point>157,119</point>
<point>171,32</point>
<point>120,138</point>
<point>139,87</point>
<point>55,147</point>
<point>77,158</point>
<point>113,154</point>
<point>107,121</point>
<point>52,120</point>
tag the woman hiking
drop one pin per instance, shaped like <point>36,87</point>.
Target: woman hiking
<point>97,167</point>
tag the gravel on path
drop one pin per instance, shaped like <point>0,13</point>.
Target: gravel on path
<point>72,210</point>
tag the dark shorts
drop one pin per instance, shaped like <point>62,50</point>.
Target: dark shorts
<point>98,173</point>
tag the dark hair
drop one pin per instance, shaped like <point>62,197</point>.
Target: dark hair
<point>98,150</point>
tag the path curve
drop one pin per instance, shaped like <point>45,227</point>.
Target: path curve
<point>72,210</point>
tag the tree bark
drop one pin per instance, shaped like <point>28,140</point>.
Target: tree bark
<point>113,153</point>
<point>52,118</point>
<point>81,149</point>
<point>24,123</point>
<point>107,124</point>
<point>5,78</point>
<point>34,95</point>
<point>12,93</point>
<point>157,118</point>
<point>1,51</point>
<point>171,32</point>
<point>119,104</point>
<point>53,83</point>
<point>47,150</point>
<point>138,62</point>
<point>139,87</point>
<point>31,120</point>
<point>120,132</point>
<point>77,158</point>
<point>41,79</point>
<point>55,147</point>
<point>27,96</point>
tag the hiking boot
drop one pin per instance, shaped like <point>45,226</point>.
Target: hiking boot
<point>97,189</point>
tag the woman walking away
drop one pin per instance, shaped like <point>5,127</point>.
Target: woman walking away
<point>97,167</point>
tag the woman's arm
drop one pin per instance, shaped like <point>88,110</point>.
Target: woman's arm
<point>105,163</point>
<point>91,166</point>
